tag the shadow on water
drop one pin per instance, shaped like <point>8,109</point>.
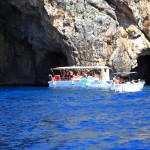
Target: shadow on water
<point>43,118</point>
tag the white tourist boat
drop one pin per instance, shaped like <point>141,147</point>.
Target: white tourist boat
<point>80,81</point>
<point>130,86</point>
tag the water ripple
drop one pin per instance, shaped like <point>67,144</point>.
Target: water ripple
<point>59,119</point>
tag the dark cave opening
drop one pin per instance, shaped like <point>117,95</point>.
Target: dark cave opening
<point>26,49</point>
<point>143,69</point>
<point>51,60</point>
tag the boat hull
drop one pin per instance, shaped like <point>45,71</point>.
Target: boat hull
<point>78,84</point>
<point>128,87</point>
<point>100,84</point>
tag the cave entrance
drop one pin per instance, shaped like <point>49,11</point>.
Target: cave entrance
<point>51,60</point>
<point>143,68</point>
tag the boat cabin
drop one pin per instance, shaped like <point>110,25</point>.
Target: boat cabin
<point>76,72</point>
<point>80,77</point>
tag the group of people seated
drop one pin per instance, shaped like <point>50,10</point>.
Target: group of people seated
<point>76,75</point>
<point>118,80</point>
<point>121,80</point>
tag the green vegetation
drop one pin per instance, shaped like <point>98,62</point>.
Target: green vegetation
<point>80,8</point>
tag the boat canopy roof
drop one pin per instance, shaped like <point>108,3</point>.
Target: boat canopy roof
<point>124,73</point>
<point>80,67</point>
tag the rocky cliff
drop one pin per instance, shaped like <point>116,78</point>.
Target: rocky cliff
<point>36,35</point>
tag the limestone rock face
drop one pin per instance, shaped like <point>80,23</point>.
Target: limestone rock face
<point>36,35</point>
<point>141,12</point>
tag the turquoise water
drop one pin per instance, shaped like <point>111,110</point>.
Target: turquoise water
<point>39,118</point>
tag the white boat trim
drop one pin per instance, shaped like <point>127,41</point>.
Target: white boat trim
<point>80,67</point>
<point>128,87</point>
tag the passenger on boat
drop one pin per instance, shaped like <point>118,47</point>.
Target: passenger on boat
<point>91,73</point>
<point>132,81</point>
<point>95,75</point>
<point>63,74</point>
<point>71,75</point>
<point>50,77</point>
<point>84,74</point>
<point>76,76</point>
<point>122,80</point>
<point>67,75</point>
<point>116,81</point>
<point>101,75</point>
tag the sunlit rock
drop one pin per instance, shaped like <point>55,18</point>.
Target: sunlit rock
<point>36,35</point>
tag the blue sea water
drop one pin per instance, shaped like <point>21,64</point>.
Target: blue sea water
<point>40,118</point>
